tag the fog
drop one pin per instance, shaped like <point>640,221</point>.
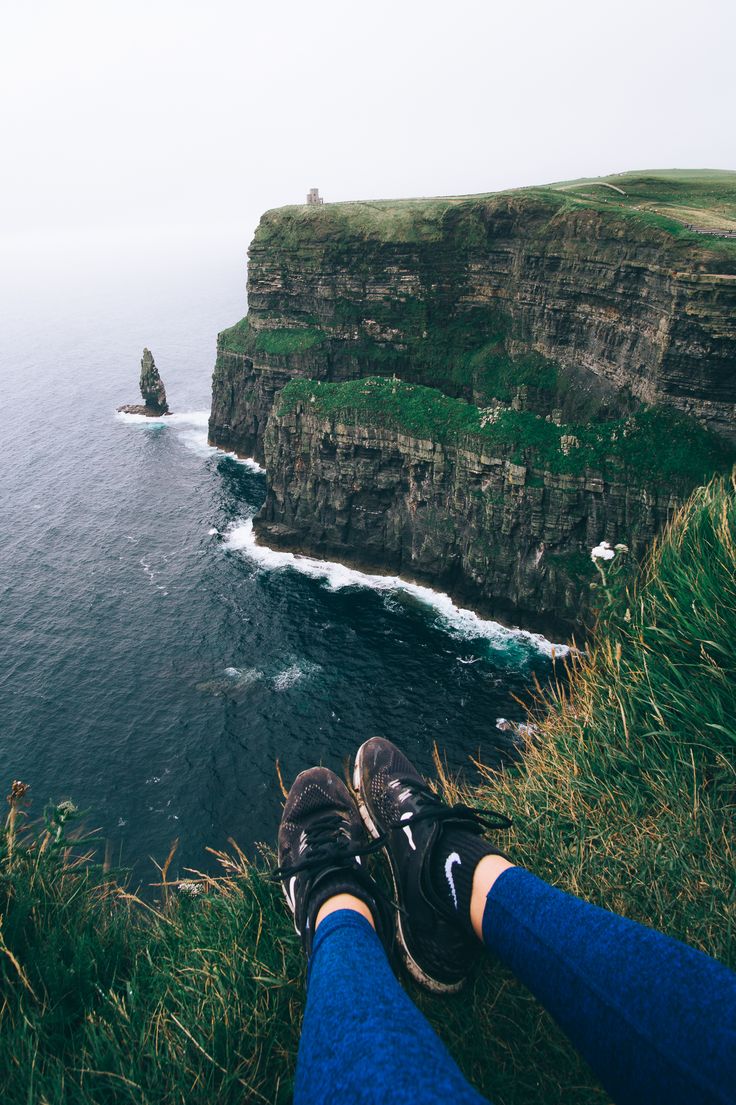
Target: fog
<point>165,113</point>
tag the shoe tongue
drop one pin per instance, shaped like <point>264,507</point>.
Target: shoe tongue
<point>435,833</point>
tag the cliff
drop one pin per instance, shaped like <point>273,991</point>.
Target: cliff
<point>576,305</point>
<point>501,513</point>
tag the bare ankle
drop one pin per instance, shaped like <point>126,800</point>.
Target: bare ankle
<point>344,901</point>
<point>486,873</point>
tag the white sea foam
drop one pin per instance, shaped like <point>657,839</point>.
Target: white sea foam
<point>454,619</point>
<point>146,568</point>
<point>231,681</point>
<point>191,428</point>
<point>293,674</point>
<point>287,678</point>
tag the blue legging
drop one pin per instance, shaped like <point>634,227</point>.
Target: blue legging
<point>654,1018</point>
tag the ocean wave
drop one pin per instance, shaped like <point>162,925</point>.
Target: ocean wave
<point>453,619</point>
<point>191,428</point>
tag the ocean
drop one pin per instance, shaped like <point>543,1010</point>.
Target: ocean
<point>157,667</point>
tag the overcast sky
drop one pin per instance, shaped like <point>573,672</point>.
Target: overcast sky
<point>164,112</point>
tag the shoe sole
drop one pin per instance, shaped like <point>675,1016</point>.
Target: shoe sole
<point>410,962</point>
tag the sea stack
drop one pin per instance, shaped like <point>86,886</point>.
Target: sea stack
<point>152,388</point>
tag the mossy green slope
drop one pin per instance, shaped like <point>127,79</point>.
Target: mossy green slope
<point>653,444</point>
<point>625,794</point>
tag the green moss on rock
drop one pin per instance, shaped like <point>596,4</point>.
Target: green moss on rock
<point>237,338</point>
<point>283,341</point>
<point>658,444</point>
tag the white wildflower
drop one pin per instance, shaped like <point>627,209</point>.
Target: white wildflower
<point>190,888</point>
<point>489,415</point>
<point>602,552</point>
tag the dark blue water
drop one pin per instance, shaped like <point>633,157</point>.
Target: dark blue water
<point>150,670</point>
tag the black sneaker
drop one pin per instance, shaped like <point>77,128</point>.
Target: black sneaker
<point>321,842</point>
<point>425,840</point>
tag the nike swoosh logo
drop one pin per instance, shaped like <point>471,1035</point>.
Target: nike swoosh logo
<point>451,860</point>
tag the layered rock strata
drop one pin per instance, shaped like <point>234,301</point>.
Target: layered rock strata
<point>431,292</point>
<point>512,540</point>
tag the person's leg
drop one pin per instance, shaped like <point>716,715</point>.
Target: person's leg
<point>655,1019</point>
<point>363,1040</point>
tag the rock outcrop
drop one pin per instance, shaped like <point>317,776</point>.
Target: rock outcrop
<point>573,314</point>
<point>152,388</point>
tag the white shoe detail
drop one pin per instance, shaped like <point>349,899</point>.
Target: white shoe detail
<point>452,859</point>
<point>291,894</point>
<point>404,795</point>
<point>407,830</point>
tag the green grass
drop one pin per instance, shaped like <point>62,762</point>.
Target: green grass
<point>663,200</point>
<point>626,795</point>
<point>653,199</point>
<point>106,999</point>
<point>237,338</point>
<point>282,342</point>
<point>635,762</point>
<point>656,444</point>
<point>278,342</point>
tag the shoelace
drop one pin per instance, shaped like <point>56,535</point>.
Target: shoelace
<point>324,847</point>
<point>325,850</point>
<point>434,808</point>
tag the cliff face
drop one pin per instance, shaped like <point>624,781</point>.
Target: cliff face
<point>572,314</point>
<point>509,532</point>
<point>441,293</point>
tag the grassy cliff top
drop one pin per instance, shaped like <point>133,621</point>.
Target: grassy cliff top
<point>657,444</point>
<point>668,201</point>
